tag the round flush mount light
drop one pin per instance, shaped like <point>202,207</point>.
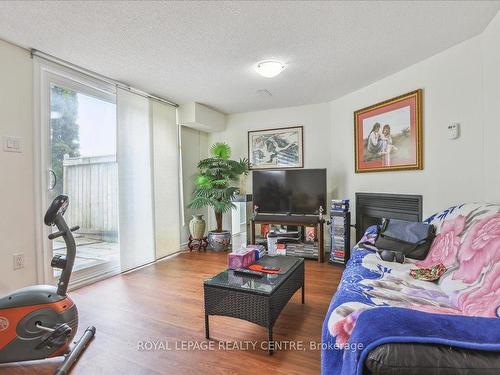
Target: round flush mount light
<point>269,68</point>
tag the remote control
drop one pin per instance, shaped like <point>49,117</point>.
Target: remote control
<point>270,269</point>
<point>245,272</point>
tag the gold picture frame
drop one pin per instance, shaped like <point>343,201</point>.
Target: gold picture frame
<point>377,148</point>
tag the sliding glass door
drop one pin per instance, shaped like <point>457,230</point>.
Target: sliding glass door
<point>114,153</point>
<point>79,138</point>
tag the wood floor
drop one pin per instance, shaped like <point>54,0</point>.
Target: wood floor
<point>164,302</point>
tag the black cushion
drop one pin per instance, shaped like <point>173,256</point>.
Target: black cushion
<point>430,359</point>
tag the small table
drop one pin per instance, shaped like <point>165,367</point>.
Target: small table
<point>295,220</point>
<point>257,300</point>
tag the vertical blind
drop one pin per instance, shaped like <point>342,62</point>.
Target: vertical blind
<point>166,179</point>
<point>135,180</point>
<point>148,179</point>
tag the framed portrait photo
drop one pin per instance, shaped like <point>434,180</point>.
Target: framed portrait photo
<point>276,148</point>
<point>388,135</point>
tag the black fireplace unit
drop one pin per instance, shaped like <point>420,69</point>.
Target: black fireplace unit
<point>371,208</point>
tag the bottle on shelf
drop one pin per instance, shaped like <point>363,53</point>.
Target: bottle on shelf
<point>272,239</point>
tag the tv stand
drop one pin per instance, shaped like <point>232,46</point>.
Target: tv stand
<point>297,220</point>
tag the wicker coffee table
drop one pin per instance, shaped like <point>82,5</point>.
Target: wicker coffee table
<point>257,300</point>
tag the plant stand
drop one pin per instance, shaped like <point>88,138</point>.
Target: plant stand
<point>197,244</point>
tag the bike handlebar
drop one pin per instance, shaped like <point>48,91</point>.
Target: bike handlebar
<point>54,235</point>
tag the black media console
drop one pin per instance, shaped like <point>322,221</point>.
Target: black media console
<point>294,220</point>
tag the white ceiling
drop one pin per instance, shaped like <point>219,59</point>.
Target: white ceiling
<point>205,51</point>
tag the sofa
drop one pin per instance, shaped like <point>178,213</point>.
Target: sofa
<point>383,321</point>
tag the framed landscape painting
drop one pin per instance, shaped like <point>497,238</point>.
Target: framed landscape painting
<point>388,135</point>
<point>276,148</point>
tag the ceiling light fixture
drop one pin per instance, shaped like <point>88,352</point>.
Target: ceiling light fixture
<point>269,68</point>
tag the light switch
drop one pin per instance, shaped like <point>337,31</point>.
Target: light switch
<point>12,144</point>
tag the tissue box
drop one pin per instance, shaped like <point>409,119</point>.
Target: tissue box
<point>241,259</point>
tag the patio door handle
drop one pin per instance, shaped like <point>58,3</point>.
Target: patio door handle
<point>54,183</point>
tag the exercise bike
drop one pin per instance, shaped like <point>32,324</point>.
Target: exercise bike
<point>41,321</point>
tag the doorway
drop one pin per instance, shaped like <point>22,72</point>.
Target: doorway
<point>79,142</point>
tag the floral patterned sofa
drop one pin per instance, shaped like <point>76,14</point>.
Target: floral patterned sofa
<point>378,303</point>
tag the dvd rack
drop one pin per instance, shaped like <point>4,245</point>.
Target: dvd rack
<point>340,229</point>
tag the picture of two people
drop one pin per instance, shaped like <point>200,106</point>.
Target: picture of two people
<point>379,142</point>
<point>388,135</point>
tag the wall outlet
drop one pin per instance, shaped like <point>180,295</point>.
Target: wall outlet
<point>18,261</point>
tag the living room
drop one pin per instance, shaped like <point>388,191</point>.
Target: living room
<point>191,142</point>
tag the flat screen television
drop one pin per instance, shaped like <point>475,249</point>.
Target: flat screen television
<point>297,191</point>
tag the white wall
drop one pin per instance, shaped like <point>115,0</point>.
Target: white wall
<point>194,146</point>
<point>491,105</point>
<point>461,84</point>
<point>452,168</point>
<point>17,225</point>
<point>317,134</point>
<point>317,131</point>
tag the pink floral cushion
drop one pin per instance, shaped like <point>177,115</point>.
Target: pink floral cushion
<point>445,246</point>
<point>468,244</point>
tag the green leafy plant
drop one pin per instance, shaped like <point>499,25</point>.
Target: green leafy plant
<point>213,184</point>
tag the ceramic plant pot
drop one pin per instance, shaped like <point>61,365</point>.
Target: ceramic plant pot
<point>197,227</point>
<point>219,241</point>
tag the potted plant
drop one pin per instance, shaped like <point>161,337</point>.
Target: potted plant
<point>214,188</point>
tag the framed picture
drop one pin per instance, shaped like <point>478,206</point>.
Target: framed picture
<point>276,148</point>
<point>388,135</point>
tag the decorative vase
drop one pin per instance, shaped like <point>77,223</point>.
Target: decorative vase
<point>197,227</point>
<point>219,241</point>
<point>243,184</point>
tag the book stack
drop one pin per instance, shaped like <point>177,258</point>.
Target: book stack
<point>341,205</point>
<point>340,219</point>
<point>303,249</point>
<point>261,250</point>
